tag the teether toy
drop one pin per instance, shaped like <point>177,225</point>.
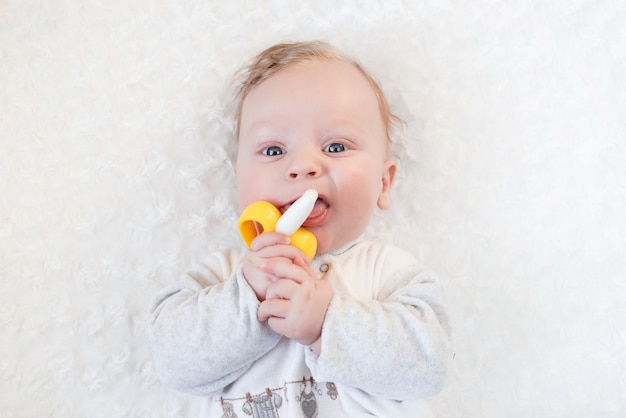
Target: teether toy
<point>262,216</point>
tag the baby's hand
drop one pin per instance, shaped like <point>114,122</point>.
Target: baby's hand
<point>295,305</point>
<point>266,250</point>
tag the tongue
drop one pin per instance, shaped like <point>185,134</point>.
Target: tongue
<point>318,211</point>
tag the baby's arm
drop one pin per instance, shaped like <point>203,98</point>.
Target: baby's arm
<point>393,347</point>
<point>204,330</point>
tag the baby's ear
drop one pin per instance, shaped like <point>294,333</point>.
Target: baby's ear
<point>389,173</point>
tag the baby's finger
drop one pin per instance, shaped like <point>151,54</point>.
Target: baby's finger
<point>267,239</point>
<point>286,270</point>
<point>278,325</point>
<point>303,262</point>
<point>262,313</point>
<point>290,270</point>
<point>271,308</point>
<point>281,289</point>
<point>279,250</point>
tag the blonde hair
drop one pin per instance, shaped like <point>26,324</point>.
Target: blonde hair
<point>280,56</point>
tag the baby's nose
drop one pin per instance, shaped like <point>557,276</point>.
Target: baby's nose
<point>304,167</point>
<point>300,174</point>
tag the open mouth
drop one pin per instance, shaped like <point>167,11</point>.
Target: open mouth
<point>317,216</point>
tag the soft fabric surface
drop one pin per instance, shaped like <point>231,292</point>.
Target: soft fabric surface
<point>116,175</point>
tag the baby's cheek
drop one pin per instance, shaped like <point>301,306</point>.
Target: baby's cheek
<point>249,192</point>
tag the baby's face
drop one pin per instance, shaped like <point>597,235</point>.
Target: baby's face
<point>316,125</point>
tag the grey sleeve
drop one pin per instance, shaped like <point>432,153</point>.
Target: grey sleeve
<point>204,331</point>
<point>394,347</point>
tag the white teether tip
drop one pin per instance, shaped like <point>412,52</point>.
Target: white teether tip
<point>296,214</point>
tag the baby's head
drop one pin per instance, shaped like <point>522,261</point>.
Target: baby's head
<point>309,117</point>
<point>280,56</point>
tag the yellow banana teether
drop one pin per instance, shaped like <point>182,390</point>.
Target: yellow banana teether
<point>262,216</point>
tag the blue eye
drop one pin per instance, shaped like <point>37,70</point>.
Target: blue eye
<point>335,147</point>
<point>273,151</point>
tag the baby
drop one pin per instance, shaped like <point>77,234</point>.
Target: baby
<point>360,329</point>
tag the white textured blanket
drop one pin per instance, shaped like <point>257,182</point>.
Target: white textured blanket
<point>115,175</point>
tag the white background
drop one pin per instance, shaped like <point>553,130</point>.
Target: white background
<point>115,176</point>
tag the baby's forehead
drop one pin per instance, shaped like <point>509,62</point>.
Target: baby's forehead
<point>333,84</point>
<point>348,68</point>
<point>320,72</point>
<point>354,75</point>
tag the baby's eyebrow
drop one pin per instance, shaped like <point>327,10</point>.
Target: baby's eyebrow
<point>261,131</point>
